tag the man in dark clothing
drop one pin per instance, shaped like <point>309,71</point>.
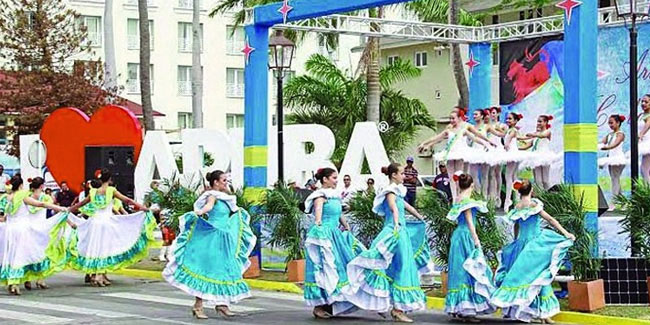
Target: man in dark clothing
<point>65,197</point>
<point>441,182</point>
<point>410,181</point>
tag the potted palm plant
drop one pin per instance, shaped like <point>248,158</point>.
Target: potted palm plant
<point>439,228</point>
<point>254,270</point>
<point>367,224</point>
<point>491,235</point>
<point>288,232</point>
<point>636,221</point>
<point>587,290</point>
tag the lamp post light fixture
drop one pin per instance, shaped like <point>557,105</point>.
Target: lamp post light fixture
<point>282,50</point>
<point>630,9</point>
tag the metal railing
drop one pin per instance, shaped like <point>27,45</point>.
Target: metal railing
<point>235,90</point>
<point>185,87</point>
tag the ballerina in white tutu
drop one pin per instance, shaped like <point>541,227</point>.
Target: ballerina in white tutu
<point>456,150</point>
<point>107,242</point>
<point>495,132</point>
<point>541,158</point>
<point>615,160</point>
<point>479,168</point>
<point>31,246</point>
<point>644,138</point>
<point>512,156</point>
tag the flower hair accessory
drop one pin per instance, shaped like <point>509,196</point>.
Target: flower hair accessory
<point>98,173</point>
<point>517,185</point>
<point>8,182</point>
<point>29,180</point>
<point>622,118</point>
<point>457,175</point>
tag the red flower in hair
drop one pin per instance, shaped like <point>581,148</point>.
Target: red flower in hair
<point>8,182</point>
<point>548,126</point>
<point>520,116</point>
<point>98,173</point>
<point>549,117</point>
<point>622,118</point>
<point>456,176</point>
<point>517,185</point>
<point>29,180</point>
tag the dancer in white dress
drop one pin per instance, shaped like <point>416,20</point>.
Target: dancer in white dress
<point>107,242</point>
<point>512,156</point>
<point>542,157</point>
<point>496,130</point>
<point>615,160</point>
<point>644,138</point>
<point>479,168</point>
<point>31,246</point>
<point>456,150</point>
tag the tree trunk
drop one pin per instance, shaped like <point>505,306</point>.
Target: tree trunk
<point>145,63</point>
<point>457,60</point>
<point>197,73</point>
<point>372,77</point>
<point>110,69</point>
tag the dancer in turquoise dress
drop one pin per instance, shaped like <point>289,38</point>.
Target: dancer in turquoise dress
<point>329,250</point>
<point>388,274</point>
<point>211,254</point>
<point>530,262</point>
<point>470,278</point>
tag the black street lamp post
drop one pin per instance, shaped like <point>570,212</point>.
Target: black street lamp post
<point>630,9</point>
<point>281,49</point>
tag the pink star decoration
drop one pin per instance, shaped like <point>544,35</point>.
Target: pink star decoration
<point>284,10</point>
<point>568,6</point>
<point>472,63</point>
<point>247,50</point>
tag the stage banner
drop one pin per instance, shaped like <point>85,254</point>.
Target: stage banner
<point>531,73</point>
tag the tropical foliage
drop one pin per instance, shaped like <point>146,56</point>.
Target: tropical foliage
<point>439,228</point>
<point>636,209</point>
<point>366,223</point>
<point>175,200</point>
<point>569,210</point>
<point>328,96</point>
<point>491,235</point>
<point>285,221</point>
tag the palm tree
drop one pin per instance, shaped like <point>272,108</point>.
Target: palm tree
<point>443,11</point>
<point>145,63</point>
<point>197,71</point>
<point>110,69</point>
<point>328,96</point>
<point>372,72</point>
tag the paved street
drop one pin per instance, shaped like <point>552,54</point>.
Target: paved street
<point>133,301</point>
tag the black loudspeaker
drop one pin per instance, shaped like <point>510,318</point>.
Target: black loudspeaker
<point>119,160</point>
<point>602,202</point>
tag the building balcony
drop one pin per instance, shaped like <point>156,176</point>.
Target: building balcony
<point>185,88</point>
<point>234,48</point>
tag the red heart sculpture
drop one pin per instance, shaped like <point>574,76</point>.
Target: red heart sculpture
<point>67,131</point>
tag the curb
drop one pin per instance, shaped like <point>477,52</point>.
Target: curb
<point>432,302</point>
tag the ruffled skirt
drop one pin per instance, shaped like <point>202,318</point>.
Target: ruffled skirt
<point>31,250</point>
<point>525,291</point>
<point>329,250</point>
<point>470,277</point>
<point>644,146</point>
<point>208,261</point>
<point>388,274</point>
<point>108,242</point>
<point>540,159</point>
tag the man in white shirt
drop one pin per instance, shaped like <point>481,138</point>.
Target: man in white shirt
<point>346,193</point>
<point>4,178</point>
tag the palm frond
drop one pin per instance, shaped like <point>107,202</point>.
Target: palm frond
<point>437,11</point>
<point>636,221</point>
<point>399,71</point>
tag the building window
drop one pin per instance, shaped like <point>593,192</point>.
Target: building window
<point>234,121</point>
<point>392,59</point>
<point>133,33</point>
<point>185,80</point>
<point>235,39</point>
<point>235,83</point>
<point>93,26</point>
<point>420,59</point>
<point>185,37</point>
<point>135,2</point>
<point>133,78</point>
<point>185,120</point>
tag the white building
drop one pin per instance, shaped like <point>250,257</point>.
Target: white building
<point>171,59</point>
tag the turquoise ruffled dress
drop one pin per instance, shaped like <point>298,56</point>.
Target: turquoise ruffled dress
<point>211,254</point>
<point>329,250</point>
<point>388,274</point>
<point>470,277</point>
<point>528,266</point>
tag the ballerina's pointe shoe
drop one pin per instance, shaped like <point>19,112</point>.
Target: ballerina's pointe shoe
<point>199,313</point>
<point>400,317</point>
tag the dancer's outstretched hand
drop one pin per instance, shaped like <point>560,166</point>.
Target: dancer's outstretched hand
<point>571,236</point>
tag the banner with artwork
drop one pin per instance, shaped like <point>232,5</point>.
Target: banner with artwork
<point>531,73</point>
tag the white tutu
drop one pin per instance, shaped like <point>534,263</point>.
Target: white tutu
<point>644,146</point>
<point>457,149</point>
<point>541,155</point>
<point>106,242</point>
<point>614,157</point>
<point>31,250</point>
